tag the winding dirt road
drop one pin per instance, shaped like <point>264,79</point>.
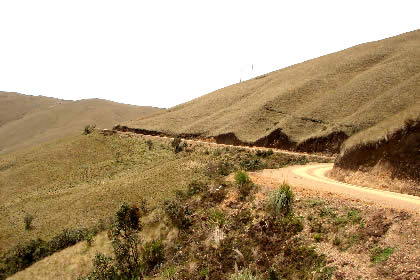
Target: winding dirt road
<point>314,177</point>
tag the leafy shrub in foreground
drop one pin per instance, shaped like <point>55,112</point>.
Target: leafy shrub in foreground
<point>280,201</point>
<point>124,239</point>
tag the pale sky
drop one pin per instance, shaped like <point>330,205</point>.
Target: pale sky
<point>163,53</point>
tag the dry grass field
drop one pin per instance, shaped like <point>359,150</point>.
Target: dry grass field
<point>335,95</point>
<point>28,120</point>
<point>75,181</point>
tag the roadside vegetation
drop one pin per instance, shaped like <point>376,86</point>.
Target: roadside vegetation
<point>159,213</point>
<point>90,175</point>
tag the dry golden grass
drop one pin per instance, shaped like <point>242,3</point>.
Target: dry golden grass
<point>347,91</point>
<point>76,181</point>
<point>27,120</point>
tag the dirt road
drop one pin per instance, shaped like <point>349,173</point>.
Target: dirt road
<point>313,177</point>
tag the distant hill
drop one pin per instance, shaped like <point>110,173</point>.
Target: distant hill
<point>312,106</point>
<point>27,120</point>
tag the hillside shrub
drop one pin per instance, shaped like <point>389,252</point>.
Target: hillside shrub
<point>264,153</point>
<point>178,214</point>
<point>244,184</point>
<point>103,268</point>
<point>220,167</point>
<point>252,164</point>
<point>194,188</point>
<point>241,177</point>
<point>153,255</point>
<point>28,221</point>
<point>123,234</point>
<point>89,129</point>
<point>280,201</point>
<point>124,239</point>
<point>177,145</point>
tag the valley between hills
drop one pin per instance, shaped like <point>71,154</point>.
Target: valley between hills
<point>308,172</point>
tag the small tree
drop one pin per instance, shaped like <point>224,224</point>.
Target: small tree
<point>124,238</point>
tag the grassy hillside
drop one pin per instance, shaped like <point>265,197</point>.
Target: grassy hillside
<point>27,120</point>
<point>75,181</point>
<point>311,106</point>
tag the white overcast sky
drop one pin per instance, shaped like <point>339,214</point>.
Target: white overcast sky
<point>163,53</point>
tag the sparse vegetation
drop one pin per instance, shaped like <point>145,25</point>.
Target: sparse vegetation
<point>380,255</point>
<point>245,274</point>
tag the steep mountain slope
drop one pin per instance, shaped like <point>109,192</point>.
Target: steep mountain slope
<point>311,106</point>
<point>27,120</point>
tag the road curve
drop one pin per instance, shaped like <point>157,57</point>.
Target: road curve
<point>314,177</point>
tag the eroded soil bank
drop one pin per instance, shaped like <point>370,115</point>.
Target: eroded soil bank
<point>329,144</point>
<point>393,162</point>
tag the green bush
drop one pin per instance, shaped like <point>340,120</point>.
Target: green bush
<point>124,239</point>
<point>280,201</point>
<point>245,184</point>
<point>241,177</point>
<point>195,188</point>
<point>123,234</point>
<point>217,218</point>
<point>179,215</point>
<point>103,268</point>
<point>152,255</point>
<point>90,238</point>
